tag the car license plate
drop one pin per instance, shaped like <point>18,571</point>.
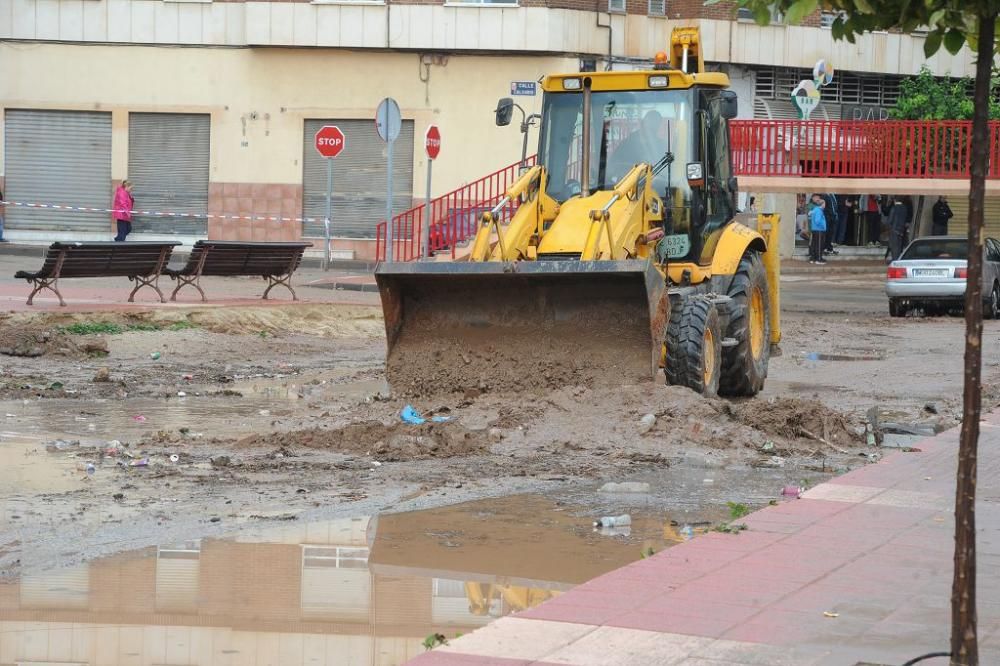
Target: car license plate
<point>931,272</point>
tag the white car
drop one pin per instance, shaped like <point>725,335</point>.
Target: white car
<point>931,272</point>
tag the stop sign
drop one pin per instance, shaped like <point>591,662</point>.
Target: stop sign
<point>432,142</point>
<point>330,141</point>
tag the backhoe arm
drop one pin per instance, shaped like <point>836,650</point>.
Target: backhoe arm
<point>513,239</point>
<point>622,220</point>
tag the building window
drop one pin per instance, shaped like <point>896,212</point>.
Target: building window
<point>657,7</point>
<point>487,3</point>
<point>616,6</point>
<point>746,16</point>
<point>826,18</point>
<point>846,88</point>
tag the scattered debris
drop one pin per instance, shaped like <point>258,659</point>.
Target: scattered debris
<point>647,423</point>
<point>412,416</point>
<point>155,355</point>
<point>830,614</point>
<point>102,375</point>
<point>623,520</point>
<point>625,487</point>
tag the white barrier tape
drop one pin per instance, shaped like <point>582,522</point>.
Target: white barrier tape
<point>159,213</point>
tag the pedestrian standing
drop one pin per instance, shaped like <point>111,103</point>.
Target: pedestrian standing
<point>846,206</point>
<point>898,222</point>
<point>124,202</point>
<point>2,207</point>
<point>817,227</point>
<point>940,216</point>
<point>869,205</point>
<point>832,216</point>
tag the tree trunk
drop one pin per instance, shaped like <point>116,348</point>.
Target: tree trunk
<point>964,644</point>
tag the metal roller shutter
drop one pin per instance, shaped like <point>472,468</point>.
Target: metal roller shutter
<point>959,225</point>
<point>58,157</point>
<point>168,162</point>
<point>359,179</point>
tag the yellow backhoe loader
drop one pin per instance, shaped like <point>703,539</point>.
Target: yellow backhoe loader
<point>622,253</point>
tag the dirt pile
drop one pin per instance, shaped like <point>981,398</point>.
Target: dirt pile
<point>32,341</point>
<point>514,333</point>
<point>794,418</point>
<point>386,443</point>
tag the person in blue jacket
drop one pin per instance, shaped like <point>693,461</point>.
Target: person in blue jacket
<point>817,229</point>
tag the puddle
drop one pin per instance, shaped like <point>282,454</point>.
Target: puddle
<point>817,356</point>
<point>259,403</point>
<point>25,465</point>
<point>359,591</point>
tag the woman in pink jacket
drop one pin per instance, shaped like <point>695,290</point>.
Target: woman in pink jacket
<point>124,202</point>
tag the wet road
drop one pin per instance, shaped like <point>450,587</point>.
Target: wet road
<point>834,294</point>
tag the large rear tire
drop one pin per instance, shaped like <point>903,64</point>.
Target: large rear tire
<point>744,366</point>
<point>694,346</point>
<point>896,308</point>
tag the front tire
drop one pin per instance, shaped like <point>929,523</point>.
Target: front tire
<point>694,346</point>
<point>744,366</point>
<point>992,309</point>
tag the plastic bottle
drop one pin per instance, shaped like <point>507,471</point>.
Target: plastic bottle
<point>614,521</point>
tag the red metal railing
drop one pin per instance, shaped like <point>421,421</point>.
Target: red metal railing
<point>858,149</point>
<point>453,216</point>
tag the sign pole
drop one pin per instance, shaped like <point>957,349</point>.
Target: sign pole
<point>388,204</point>
<point>425,230</point>
<point>388,123</point>
<point>329,213</point>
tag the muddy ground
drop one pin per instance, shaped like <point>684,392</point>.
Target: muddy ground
<point>201,422</point>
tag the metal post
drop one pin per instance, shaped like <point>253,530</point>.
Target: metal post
<point>388,206</point>
<point>425,229</point>
<point>329,213</point>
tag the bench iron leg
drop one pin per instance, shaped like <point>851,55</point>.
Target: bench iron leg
<point>185,281</point>
<point>275,280</point>
<point>51,285</point>
<point>141,282</point>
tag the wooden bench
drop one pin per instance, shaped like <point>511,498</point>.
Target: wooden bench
<point>142,262</point>
<point>275,262</point>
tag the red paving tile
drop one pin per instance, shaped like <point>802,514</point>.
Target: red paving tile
<point>676,622</point>
<point>570,612</point>
<point>438,658</point>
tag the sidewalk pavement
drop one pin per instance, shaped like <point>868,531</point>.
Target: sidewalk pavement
<point>857,571</point>
<point>111,294</point>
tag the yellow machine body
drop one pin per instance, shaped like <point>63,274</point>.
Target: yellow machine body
<point>569,291</point>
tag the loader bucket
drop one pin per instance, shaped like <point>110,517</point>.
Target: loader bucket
<point>529,325</point>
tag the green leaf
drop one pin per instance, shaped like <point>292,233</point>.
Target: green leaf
<point>954,40</point>
<point>932,44</point>
<point>864,7</point>
<point>799,10</point>
<point>762,15</point>
<point>935,18</point>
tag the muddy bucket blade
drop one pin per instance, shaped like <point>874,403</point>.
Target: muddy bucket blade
<point>459,326</point>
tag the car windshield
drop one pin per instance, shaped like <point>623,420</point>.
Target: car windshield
<point>627,128</point>
<point>937,248</point>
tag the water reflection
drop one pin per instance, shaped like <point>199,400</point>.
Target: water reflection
<point>354,591</point>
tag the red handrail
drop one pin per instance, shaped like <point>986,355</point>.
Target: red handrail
<point>453,216</point>
<point>857,149</point>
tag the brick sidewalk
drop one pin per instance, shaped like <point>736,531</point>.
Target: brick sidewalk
<point>858,570</point>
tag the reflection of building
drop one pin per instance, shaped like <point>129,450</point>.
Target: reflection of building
<point>303,595</point>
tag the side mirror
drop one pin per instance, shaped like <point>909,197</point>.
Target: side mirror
<point>728,104</point>
<point>504,111</point>
<point>695,174</point>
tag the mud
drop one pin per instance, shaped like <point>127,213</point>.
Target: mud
<point>384,443</point>
<point>794,418</point>
<point>286,418</point>
<point>31,341</point>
